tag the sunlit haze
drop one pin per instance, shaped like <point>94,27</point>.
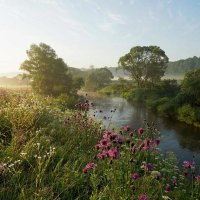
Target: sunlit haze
<point>97,32</point>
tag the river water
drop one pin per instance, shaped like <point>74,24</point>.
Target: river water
<point>177,137</point>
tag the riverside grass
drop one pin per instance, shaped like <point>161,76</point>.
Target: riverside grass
<point>48,153</point>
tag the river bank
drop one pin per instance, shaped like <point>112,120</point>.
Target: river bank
<point>177,137</point>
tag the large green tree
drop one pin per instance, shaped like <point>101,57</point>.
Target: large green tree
<point>47,72</point>
<point>145,65</point>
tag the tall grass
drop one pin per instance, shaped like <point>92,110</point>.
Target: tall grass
<point>51,153</point>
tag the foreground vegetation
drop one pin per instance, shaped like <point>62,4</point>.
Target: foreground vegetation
<point>48,152</point>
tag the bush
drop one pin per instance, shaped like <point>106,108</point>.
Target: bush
<point>168,109</point>
<point>186,113</point>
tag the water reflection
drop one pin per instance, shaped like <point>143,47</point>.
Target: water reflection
<point>182,139</point>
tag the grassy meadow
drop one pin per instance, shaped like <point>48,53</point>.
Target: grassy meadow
<point>51,153</point>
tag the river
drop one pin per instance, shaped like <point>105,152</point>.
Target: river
<point>177,137</point>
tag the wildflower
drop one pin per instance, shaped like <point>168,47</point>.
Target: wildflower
<point>188,164</point>
<point>140,131</point>
<point>23,153</point>
<point>102,154</point>
<point>146,144</point>
<point>157,141</point>
<point>135,176</point>
<point>106,134</point>
<point>198,178</point>
<point>174,182</point>
<point>118,139</point>
<point>147,167</point>
<point>89,166</point>
<point>104,143</point>
<point>126,128</point>
<point>113,136</point>
<point>143,197</point>
<point>166,197</point>
<point>113,153</point>
<point>11,165</point>
<point>167,188</point>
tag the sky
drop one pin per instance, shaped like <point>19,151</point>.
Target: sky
<point>97,32</point>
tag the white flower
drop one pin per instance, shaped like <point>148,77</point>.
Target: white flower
<point>166,198</point>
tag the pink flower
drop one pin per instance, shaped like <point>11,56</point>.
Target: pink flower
<point>89,166</point>
<point>107,135</point>
<point>118,139</point>
<point>188,164</point>
<point>113,136</point>
<point>146,144</point>
<point>140,131</point>
<point>134,176</point>
<point>126,128</point>
<point>113,153</point>
<point>104,143</point>
<point>102,155</point>
<point>143,197</point>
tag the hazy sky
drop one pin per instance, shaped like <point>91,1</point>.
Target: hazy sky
<point>97,32</point>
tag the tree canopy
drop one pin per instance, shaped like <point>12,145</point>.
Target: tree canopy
<point>48,72</point>
<point>98,78</point>
<point>146,65</point>
<point>190,86</point>
<point>182,66</point>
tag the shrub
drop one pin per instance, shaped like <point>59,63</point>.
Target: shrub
<point>186,113</point>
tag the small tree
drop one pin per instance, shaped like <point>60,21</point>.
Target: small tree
<point>98,78</point>
<point>47,72</point>
<point>144,64</point>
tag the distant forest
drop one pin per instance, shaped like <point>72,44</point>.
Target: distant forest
<point>179,67</point>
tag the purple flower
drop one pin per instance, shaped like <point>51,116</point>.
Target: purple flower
<point>113,153</point>
<point>148,167</point>
<point>135,176</point>
<point>143,197</point>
